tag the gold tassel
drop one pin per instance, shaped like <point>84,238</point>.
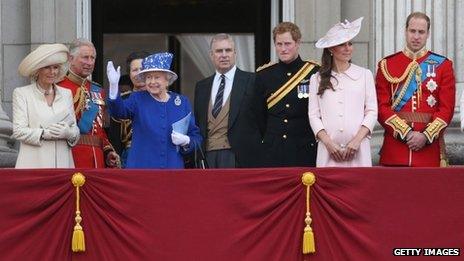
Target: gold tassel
<point>78,239</point>
<point>308,179</point>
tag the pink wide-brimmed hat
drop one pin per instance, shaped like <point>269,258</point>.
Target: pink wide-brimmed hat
<point>340,33</point>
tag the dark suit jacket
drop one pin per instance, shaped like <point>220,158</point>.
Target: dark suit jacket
<point>243,132</point>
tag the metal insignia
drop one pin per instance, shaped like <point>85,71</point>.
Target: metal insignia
<point>431,85</point>
<point>177,101</point>
<point>431,101</point>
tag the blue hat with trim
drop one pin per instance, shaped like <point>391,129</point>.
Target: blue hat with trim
<point>158,62</point>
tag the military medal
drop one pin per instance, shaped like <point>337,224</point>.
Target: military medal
<point>177,101</point>
<point>431,85</point>
<point>303,89</point>
<point>97,98</point>
<point>431,101</point>
<point>431,66</point>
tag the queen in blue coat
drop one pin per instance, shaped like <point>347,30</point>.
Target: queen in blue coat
<point>156,142</point>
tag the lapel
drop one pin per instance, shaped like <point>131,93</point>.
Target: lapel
<point>236,96</point>
<point>204,97</point>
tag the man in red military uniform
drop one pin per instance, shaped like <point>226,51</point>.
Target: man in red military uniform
<point>93,149</point>
<point>416,98</point>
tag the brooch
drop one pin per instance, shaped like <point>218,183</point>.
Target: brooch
<point>431,85</point>
<point>177,101</point>
<point>431,101</point>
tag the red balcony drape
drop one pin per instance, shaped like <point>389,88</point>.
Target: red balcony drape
<point>235,214</point>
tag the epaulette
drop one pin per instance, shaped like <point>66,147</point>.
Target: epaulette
<point>313,62</point>
<point>264,66</point>
<point>391,55</point>
<point>439,55</point>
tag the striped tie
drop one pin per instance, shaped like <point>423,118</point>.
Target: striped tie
<point>219,97</point>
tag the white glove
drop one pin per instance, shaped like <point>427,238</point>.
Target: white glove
<point>113,77</point>
<point>60,131</point>
<point>47,135</point>
<point>180,139</point>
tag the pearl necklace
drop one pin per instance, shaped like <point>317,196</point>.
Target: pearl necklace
<point>45,92</point>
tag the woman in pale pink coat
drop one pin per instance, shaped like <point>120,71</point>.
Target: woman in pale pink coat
<point>342,104</point>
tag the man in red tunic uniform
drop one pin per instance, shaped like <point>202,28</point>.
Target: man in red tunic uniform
<point>416,98</point>
<point>93,149</point>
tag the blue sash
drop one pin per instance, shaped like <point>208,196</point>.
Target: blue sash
<point>412,87</point>
<point>88,116</point>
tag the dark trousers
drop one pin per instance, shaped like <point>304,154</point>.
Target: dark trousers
<point>220,159</point>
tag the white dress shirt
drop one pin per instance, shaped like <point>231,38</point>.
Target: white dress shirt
<point>229,78</point>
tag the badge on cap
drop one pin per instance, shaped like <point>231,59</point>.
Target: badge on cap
<point>177,101</point>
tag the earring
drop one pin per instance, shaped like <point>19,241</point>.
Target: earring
<point>331,54</point>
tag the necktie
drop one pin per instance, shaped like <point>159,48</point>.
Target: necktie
<point>219,97</point>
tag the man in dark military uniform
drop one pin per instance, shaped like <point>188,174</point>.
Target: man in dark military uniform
<point>282,101</point>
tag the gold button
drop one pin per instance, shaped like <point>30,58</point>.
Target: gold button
<point>289,73</point>
<point>284,136</point>
<point>287,105</point>
<point>285,120</point>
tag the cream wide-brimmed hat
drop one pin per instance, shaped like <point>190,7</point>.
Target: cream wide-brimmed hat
<point>43,56</point>
<point>158,62</point>
<point>340,33</point>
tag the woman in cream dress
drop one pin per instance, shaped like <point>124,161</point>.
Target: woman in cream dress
<point>342,105</point>
<point>43,113</point>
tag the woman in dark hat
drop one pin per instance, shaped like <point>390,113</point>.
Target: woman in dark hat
<point>43,114</point>
<point>162,121</point>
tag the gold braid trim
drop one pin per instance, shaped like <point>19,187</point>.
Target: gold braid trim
<point>80,97</point>
<point>289,85</point>
<point>413,69</point>
<point>434,128</point>
<point>395,80</point>
<point>400,126</point>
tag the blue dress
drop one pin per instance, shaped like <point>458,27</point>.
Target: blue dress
<point>152,121</point>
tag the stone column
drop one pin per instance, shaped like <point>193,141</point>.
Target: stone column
<point>7,153</point>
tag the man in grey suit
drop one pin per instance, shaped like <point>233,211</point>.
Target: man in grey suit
<point>223,110</point>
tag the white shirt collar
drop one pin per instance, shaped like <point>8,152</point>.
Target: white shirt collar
<point>229,74</point>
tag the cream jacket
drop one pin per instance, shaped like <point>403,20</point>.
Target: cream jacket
<point>31,114</point>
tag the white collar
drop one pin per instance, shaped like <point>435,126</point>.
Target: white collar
<point>229,74</point>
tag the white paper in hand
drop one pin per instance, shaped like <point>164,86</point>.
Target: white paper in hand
<point>181,126</point>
